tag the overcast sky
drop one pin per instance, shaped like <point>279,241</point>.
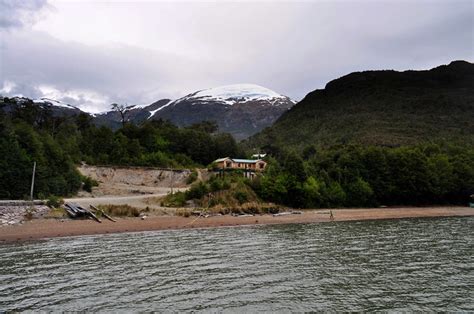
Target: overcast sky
<point>90,53</point>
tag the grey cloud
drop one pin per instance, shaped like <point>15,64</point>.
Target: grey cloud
<point>26,90</point>
<point>292,48</point>
<point>117,73</point>
<point>18,13</point>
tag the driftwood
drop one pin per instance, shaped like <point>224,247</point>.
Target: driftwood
<point>103,213</point>
<point>76,211</point>
<point>295,212</point>
<point>90,214</point>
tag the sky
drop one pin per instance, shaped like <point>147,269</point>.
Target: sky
<point>94,53</point>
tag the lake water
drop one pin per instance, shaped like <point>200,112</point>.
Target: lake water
<point>408,264</point>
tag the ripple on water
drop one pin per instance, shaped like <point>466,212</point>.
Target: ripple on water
<point>400,265</point>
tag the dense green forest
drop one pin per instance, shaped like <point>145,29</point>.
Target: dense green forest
<point>58,143</point>
<point>345,176</point>
<point>357,176</point>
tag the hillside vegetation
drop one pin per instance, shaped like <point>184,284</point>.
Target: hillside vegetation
<point>366,176</point>
<point>368,139</point>
<point>231,193</point>
<point>385,108</point>
<point>375,138</point>
<point>31,133</point>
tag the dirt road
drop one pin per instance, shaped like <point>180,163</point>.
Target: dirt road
<point>139,201</point>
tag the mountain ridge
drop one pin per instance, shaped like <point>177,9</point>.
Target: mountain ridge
<point>238,109</point>
<point>387,108</point>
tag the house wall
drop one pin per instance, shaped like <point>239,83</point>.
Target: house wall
<point>222,164</point>
<point>243,166</point>
<point>259,166</point>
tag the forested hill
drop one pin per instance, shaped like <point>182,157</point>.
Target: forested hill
<point>387,108</point>
<point>57,143</point>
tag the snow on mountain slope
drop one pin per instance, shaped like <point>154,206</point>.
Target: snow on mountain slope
<point>54,102</point>
<point>55,107</point>
<point>241,109</point>
<point>237,93</point>
<point>152,112</point>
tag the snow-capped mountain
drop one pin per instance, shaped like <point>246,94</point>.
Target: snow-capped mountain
<point>57,108</point>
<point>237,93</point>
<point>53,103</point>
<point>136,114</point>
<point>241,109</point>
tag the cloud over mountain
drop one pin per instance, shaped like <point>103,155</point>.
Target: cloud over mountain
<point>95,53</point>
<point>19,13</point>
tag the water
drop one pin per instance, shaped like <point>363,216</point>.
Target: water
<point>412,264</point>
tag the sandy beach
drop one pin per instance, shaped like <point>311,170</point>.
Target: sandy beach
<point>48,228</point>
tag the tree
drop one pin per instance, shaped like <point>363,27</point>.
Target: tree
<point>293,164</point>
<point>312,189</point>
<point>123,110</point>
<point>206,126</point>
<point>309,151</point>
<point>83,121</point>
<point>15,168</point>
<point>359,193</point>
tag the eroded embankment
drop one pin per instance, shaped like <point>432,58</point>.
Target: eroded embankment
<point>133,180</point>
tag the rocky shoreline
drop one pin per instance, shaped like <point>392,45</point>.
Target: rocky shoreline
<point>17,214</point>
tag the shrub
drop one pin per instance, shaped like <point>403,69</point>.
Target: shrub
<point>54,201</point>
<point>197,191</point>
<point>215,185</point>
<point>89,183</point>
<point>241,197</point>
<point>192,177</point>
<point>177,199</point>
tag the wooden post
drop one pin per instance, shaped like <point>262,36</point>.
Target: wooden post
<point>33,181</point>
<point>102,212</point>
<point>172,178</point>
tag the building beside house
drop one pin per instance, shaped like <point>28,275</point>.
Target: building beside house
<point>251,165</point>
<point>259,156</point>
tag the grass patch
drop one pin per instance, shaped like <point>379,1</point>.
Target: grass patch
<point>57,213</point>
<point>177,199</point>
<point>54,201</point>
<point>252,208</point>
<point>122,210</point>
<point>183,212</point>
